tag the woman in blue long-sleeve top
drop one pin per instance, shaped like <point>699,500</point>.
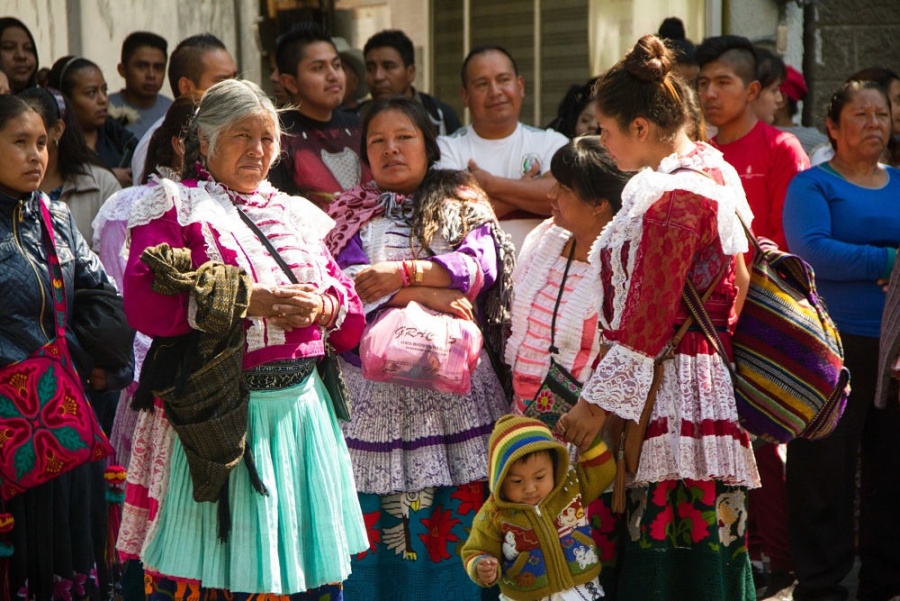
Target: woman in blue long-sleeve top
<point>843,217</point>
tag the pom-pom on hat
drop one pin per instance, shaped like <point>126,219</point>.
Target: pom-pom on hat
<point>515,436</point>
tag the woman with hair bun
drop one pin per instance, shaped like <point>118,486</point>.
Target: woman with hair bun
<point>686,504</point>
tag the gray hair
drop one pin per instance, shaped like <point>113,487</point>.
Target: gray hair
<point>224,104</point>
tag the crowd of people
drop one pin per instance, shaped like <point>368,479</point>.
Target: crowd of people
<point>256,242</point>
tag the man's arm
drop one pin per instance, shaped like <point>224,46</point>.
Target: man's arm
<point>507,195</point>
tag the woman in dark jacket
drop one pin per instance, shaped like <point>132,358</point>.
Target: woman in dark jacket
<point>57,540</point>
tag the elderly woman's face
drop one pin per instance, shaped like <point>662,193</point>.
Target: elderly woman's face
<point>396,151</point>
<point>864,125</point>
<point>243,153</point>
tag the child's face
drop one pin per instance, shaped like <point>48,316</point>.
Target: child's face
<point>529,480</point>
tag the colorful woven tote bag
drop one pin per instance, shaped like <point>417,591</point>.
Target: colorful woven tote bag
<point>789,375</point>
<point>47,425</point>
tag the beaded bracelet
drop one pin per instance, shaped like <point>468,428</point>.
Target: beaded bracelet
<point>329,310</point>
<point>404,275</point>
<point>410,271</point>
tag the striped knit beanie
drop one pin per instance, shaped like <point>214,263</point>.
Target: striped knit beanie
<point>515,436</point>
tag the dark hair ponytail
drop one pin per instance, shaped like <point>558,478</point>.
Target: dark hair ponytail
<point>643,85</point>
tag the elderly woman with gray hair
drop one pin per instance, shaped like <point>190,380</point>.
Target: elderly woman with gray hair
<point>241,479</point>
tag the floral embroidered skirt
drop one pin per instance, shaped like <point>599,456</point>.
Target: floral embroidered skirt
<point>157,588</point>
<point>414,545</point>
<point>685,540</point>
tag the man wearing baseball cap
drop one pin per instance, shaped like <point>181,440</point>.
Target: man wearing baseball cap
<point>794,90</point>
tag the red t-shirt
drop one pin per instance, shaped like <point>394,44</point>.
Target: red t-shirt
<point>767,159</point>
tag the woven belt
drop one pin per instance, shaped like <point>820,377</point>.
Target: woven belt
<point>279,374</point>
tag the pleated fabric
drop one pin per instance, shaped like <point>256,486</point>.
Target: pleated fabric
<point>300,536</point>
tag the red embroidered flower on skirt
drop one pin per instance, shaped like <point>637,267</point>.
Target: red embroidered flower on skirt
<point>439,533</point>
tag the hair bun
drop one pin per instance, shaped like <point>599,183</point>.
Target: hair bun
<point>650,60</point>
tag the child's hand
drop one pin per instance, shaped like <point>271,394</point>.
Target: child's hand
<point>486,569</point>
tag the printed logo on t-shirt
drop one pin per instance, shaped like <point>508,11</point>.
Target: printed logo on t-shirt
<point>529,160</point>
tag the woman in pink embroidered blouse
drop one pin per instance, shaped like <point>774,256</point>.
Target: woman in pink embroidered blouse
<point>686,505</point>
<point>587,194</point>
<point>293,531</point>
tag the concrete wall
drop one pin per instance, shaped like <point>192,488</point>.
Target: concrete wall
<point>95,28</point>
<point>844,37</point>
<point>357,20</point>
<point>758,20</point>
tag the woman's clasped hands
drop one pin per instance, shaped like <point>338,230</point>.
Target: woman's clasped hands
<point>288,307</point>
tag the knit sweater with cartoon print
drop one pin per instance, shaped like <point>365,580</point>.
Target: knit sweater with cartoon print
<point>545,548</point>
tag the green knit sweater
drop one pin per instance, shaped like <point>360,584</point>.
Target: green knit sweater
<point>547,548</point>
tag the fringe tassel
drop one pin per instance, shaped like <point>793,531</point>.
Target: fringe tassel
<point>7,522</point>
<point>224,509</point>
<point>224,514</point>
<point>115,476</point>
<point>618,495</point>
<point>4,586</point>
<point>255,480</point>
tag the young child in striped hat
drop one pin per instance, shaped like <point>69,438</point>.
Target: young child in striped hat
<point>532,536</point>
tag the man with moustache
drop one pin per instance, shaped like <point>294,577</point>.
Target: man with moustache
<point>511,160</point>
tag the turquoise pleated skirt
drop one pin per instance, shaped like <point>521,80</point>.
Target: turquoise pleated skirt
<point>298,537</point>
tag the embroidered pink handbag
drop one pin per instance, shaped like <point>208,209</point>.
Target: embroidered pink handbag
<point>418,347</point>
<point>47,426</point>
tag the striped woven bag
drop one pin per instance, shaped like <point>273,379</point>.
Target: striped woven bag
<point>789,375</point>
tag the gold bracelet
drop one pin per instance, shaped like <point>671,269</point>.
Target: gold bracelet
<point>420,272</point>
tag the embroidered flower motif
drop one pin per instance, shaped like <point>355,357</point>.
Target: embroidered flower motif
<point>78,585</point>
<point>661,492</point>
<point>470,497</point>
<point>603,529</point>
<point>543,402</point>
<point>659,527</point>
<point>703,490</point>
<point>438,534</point>
<point>62,588</point>
<point>699,528</point>
<point>69,406</point>
<point>53,464</point>
<point>372,532</point>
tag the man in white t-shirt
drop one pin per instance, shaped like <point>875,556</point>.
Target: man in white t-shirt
<point>198,62</point>
<point>511,160</point>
